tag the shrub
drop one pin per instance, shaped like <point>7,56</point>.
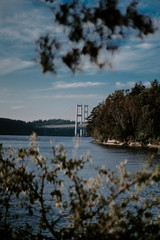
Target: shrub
<point>50,199</point>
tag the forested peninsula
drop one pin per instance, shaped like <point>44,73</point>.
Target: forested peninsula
<point>128,117</point>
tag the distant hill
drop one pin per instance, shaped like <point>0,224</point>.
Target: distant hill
<point>15,127</point>
<point>18,127</point>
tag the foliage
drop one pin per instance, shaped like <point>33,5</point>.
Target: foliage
<point>89,28</point>
<point>13,127</point>
<point>69,206</point>
<point>17,127</point>
<point>128,115</point>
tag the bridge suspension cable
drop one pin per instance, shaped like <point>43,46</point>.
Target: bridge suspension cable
<point>79,125</point>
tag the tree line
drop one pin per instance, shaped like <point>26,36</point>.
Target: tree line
<point>18,127</point>
<point>128,115</point>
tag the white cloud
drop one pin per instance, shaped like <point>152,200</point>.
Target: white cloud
<point>127,84</point>
<point>119,84</point>
<point>17,107</point>
<point>147,84</point>
<point>68,96</point>
<point>64,85</point>
<point>145,46</point>
<point>9,65</point>
<point>130,84</point>
<point>141,58</point>
<point>18,22</point>
<point>125,60</point>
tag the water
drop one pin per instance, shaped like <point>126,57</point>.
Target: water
<point>107,156</point>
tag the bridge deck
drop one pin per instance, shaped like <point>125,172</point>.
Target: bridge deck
<point>83,125</point>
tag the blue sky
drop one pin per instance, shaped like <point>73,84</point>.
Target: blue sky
<point>27,94</point>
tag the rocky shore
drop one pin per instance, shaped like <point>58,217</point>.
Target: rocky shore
<point>129,144</point>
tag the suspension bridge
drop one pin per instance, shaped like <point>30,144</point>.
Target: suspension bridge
<point>79,125</point>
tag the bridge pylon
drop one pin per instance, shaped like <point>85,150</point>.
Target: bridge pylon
<point>85,119</point>
<point>80,118</point>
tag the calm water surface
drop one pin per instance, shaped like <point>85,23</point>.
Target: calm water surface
<point>108,156</point>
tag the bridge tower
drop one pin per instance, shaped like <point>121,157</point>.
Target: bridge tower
<point>85,113</point>
<point>85,118</point>
<point>80,118</point>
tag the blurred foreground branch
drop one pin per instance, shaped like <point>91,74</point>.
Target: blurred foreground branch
<point>89,30</point>
<point>44,198</point>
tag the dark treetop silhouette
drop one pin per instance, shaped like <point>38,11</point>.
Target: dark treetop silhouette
<point>89,29</point>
